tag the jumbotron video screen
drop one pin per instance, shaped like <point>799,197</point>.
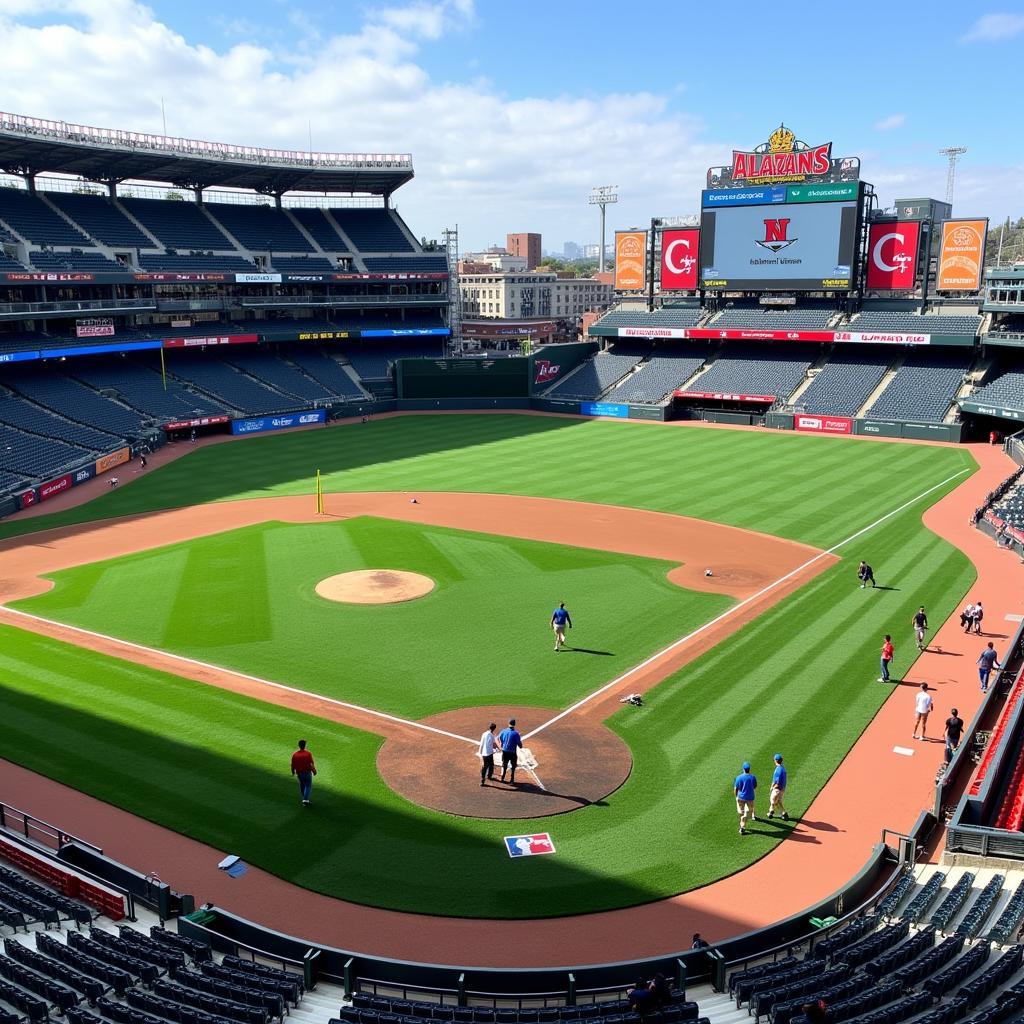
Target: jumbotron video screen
<point>800,238</point>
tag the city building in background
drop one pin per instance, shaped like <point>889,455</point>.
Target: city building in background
<point>527,245</point>
<point>541,294</point>
<point>494,258</point>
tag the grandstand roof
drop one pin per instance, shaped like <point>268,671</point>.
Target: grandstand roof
<point>32,145</point>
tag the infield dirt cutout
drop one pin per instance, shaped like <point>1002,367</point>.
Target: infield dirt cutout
<point>375,586</point>
<point>580,760</point>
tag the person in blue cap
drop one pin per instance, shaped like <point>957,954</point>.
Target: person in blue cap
<point>778,791</point>
<point>744,787</point>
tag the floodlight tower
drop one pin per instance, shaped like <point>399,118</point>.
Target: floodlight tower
<point>952,153</point>
<point>602,196</point>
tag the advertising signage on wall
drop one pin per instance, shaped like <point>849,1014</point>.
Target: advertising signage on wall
<point>892,255</point>
<point>783,158</point>
<point>961,255</point>
<point>630,261</point>
<point>680,252</point>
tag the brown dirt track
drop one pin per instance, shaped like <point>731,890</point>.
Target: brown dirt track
<point>871,790</point>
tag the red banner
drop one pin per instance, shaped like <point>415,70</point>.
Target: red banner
<point>93,329</point>
<point>892,255</point>
<point>736,334</point>
<point>28,498</point>
<point>679,259</point>
<point>203,421</point>
<point>823,424</point>
<point>54,487</point>
<point>226,339</point>
<point>722,396</point>
<point>545,371</point>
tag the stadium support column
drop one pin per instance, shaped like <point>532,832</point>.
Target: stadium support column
<point>451,242</point>
<point>655,224</point>
<point>926,246</point>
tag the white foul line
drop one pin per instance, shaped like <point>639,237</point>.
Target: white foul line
<point>735,608</point>
<point>241,675</point>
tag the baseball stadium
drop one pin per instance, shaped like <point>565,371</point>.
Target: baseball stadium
<point>254,490</point>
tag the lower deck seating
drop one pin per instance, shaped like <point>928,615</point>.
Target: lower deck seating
<point>923,388</point>
<point>655,379</point>
<point>228,385</point>
<point>595,376</point>
<point>844,383</point>
<point>1005,391</point>
<point>753,370</point>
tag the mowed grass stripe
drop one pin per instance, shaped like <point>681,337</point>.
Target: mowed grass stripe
<point>799,679</point>
<point>806,488</point>
<point>246,600</point>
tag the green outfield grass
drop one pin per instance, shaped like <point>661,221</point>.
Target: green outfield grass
<point>800,679</point>
<point>245,599</point>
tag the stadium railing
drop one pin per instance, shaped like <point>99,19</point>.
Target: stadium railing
<point>967,831</point>
<point>229,933</point>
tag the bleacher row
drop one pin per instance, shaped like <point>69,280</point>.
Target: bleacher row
<point>65,231</point>
<point>808,316</point>
<point>52,422</point>
<point>893,965</point>
<point>922,387</point>
<point>368,1009</point>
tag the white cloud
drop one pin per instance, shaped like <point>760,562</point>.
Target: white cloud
<point>887,124</point>
<point>485,161</point>
<point>994,28</point>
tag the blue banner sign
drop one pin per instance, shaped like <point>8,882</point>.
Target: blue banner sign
<point>259,424</point>
<point>604,409</point>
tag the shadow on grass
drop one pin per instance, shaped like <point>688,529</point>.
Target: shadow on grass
<point>587,650</point>
<point>360,844</point>
<point>262,464</point>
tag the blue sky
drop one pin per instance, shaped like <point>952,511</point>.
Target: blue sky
<point>513,111</point>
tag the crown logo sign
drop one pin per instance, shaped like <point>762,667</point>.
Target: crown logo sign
<point>781,140</point>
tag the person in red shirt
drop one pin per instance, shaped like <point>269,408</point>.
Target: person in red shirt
<point>304,767</point>
<point>887,652</point>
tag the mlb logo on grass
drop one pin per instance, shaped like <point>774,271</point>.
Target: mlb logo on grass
<point>529,846</point>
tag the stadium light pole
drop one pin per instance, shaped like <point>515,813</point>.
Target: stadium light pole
<point>952,154</point>
<point>602,196</point>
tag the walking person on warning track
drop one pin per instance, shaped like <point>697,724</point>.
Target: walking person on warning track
<point>488,745</point>
<point>511,742</point>
<point>923,705</point>
<point>559,620</point>
<point>777,794</point>
<point>920,624</point>
<point>976,616</point>
<point>988,661</point>
<point>304,767</point>
<point>744,788</point>
<point>954,730</point>
<point>886,660</point>
<point>865,574</point>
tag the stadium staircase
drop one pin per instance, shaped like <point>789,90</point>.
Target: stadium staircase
<point>155,242</point>
<point>887,379</point>
<point>812,371</point>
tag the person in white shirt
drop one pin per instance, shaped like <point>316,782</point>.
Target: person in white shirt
<point>488,745</point>
<point>923,705</point>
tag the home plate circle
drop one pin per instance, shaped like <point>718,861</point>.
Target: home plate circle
<point>374,586</point>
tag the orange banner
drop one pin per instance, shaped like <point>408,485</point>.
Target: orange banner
<point>962,255</point>
<point>630,261</point>
<point>114,459</point>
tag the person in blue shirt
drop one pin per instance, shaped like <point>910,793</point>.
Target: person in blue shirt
<point>744,787</point>
<point>510,741</point>
<point>778,791</point>
<point>559,620</point>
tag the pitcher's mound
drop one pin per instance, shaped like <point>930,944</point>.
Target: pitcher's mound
<point>375,586</point>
